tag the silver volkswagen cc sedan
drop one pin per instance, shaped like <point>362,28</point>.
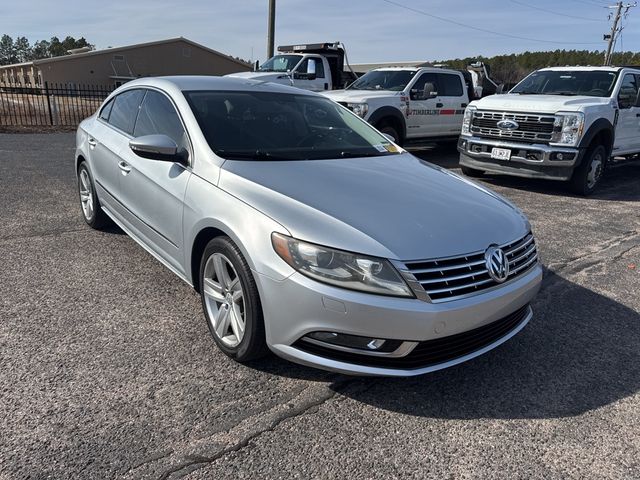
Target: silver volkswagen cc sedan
<point>305,230</point>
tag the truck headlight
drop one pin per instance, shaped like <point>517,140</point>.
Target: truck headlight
<point>342,269</point>
<point>359,109</point>
<point>567,128</point>
<point>466,120</point>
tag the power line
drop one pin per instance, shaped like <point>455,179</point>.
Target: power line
<point>500,34</point>
<point>555,13</point>
<point>615,30</point>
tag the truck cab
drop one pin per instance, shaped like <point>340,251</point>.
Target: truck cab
<point>316,67</point>
<point>409,103</point>
<point>560,123</point>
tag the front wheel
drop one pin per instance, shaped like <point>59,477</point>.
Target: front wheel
<point>589,173</point>
<point>231,302</point>
<point>391,131</point>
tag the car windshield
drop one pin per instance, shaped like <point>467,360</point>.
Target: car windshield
<point>594,83</point>
<point>280,63</point>
<point>394,80</point>
<point>283,126</point>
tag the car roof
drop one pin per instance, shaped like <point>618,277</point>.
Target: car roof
<point>583,68</point>
<point>207,82</point>
<point>415,69</point>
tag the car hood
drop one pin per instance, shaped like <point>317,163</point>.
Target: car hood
<point>538,103</point>
<point>396,206</point>
<point>359,96</point>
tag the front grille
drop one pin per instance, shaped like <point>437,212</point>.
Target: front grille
<point>450,278</point>
<point>531,128</point>
<point>430,352</point>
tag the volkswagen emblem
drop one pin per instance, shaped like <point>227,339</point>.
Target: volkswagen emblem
<point>507,125</point>
<point>497,264</point>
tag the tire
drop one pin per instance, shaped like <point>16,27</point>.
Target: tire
<point>587,176</point>
<point>471,172</point>
<point>222,270</point>
<point>390,130</point>
<point>92,213</point>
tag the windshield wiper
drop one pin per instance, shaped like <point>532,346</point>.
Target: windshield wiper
<point>346,154</point>
<point>254,155</point>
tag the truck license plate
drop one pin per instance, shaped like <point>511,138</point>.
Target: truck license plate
<point>501,153</point>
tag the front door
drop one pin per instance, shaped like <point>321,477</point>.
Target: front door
<point>423,118</point>
<point>628,128</point>
<point>310,75</point>
<point>153,190</point>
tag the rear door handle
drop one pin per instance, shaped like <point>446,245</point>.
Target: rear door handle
<point>124,166</point>
<point>439,105</point>
<point>92,142</point>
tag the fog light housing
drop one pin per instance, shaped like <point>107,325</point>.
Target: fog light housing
<point>357,342</point>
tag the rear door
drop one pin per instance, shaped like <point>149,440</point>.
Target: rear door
<point>628,127</point>
<point>152,190</point>
<point>107,139</point>
<point>423,116</point>
<point>453,100</point>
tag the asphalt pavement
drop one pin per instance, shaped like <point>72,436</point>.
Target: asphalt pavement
<point>107,369</point>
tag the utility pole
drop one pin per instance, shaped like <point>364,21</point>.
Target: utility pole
<point>272,28</point>
<point>614,29</point>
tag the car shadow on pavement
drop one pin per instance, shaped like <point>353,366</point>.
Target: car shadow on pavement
<point>619,184</point>
<point>579,352</point>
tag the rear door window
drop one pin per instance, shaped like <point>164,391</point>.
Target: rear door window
<point>106,110</point>
<point>125,110</point>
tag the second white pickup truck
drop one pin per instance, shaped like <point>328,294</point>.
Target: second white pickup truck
<point>409,103</point>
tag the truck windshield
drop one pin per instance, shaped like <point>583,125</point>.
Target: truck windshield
<point>594,83</point>
<point>280,63</point>
<point>252,125</point>
<point>394,80</point>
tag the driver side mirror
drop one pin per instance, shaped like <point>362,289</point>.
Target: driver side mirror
<point>158,147</point>
<point>426,93</point>
<point>626,99</point>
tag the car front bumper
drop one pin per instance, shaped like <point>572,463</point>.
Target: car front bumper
<point>297,306</point>
<point>527,160</point>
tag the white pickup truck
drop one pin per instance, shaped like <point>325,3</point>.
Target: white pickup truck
<point>409,103</point>
<point>314,66</point>
<point>561,123</point>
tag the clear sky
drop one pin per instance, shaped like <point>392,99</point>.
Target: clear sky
<point>372,30</point>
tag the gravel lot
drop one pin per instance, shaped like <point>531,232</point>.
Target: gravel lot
<point>107,369</point>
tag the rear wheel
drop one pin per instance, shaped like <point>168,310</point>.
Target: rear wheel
<point>89,203</point>
<point>231,302</point>
<point>471,172</point>
<point>589,173</point>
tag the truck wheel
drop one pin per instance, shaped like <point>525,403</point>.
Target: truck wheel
<point>471,172</point>
<point>587,176</point>
<point>391,131</point>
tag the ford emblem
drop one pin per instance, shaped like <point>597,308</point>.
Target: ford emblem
<point>507,125</point>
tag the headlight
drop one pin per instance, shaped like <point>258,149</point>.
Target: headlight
<point>466,120</point>
<point>567,128</point>
<point>359,109</point>
<point>339,268</point>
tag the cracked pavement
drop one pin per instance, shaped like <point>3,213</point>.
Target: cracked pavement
<point>107,369</point>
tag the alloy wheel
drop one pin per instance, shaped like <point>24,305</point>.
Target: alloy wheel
<point>86,194</point>
<point>595,170</point>
<point>224,300</point>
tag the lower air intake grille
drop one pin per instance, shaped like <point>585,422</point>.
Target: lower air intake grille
<point>430,352</point>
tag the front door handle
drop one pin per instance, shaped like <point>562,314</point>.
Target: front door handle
<point>439,105</point>
<point>124,166</point>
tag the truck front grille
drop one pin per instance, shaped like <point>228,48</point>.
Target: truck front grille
<point>446,279</point>
<point>531,128</point>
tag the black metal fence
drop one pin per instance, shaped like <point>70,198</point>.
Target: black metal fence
<point>49,104</point>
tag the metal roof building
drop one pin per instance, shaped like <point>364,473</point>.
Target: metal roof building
<point>115,66</point>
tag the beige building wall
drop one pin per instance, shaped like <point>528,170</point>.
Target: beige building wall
<point>115,66</point>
